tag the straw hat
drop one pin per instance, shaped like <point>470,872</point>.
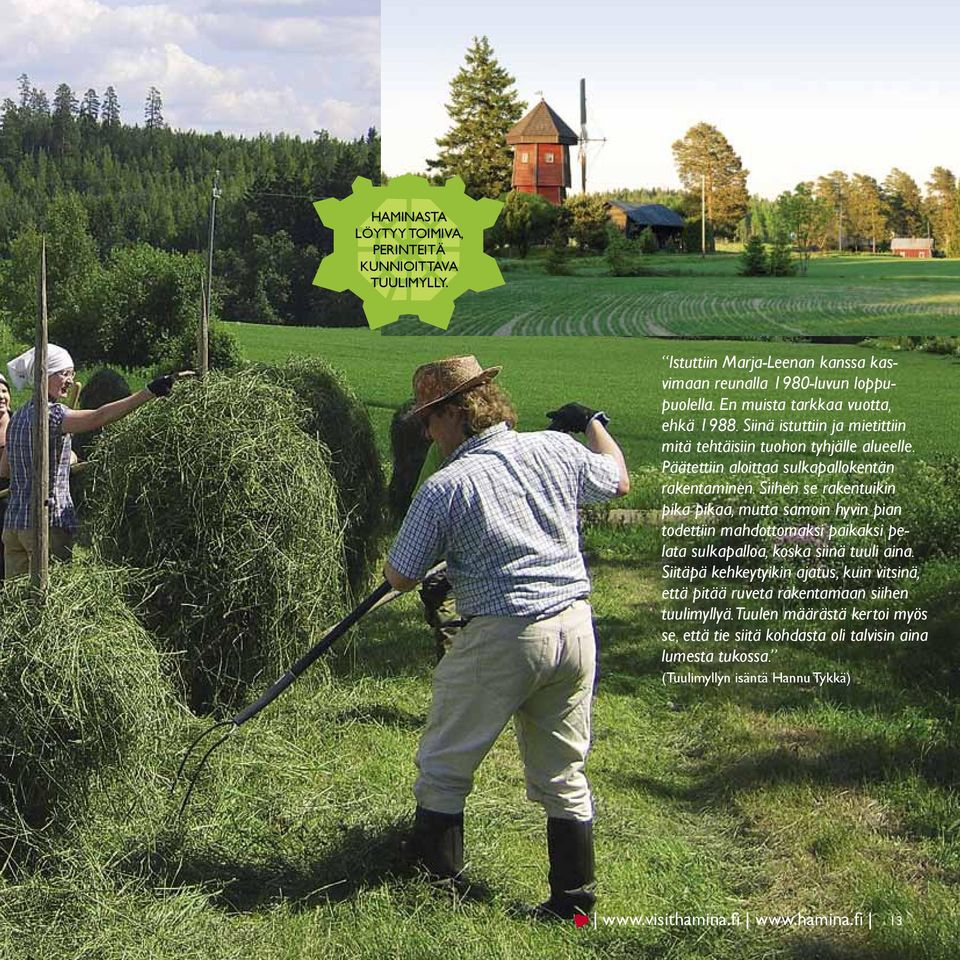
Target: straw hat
<point>438,381</point>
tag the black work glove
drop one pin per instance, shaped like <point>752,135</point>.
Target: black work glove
<point>574,417</point>
<point>435,589</point>
<point>161,386</point>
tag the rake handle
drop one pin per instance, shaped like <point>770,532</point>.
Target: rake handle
<point>333,634</point>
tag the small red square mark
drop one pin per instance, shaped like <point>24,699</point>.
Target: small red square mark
<point>581,920</point>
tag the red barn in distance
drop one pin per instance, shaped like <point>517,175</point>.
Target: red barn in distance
<point>541,144</point>
<point>920,248</point>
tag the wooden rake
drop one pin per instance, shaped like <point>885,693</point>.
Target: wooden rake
<point>383,595</point>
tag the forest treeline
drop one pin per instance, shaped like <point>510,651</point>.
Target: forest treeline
<point>147,184</point>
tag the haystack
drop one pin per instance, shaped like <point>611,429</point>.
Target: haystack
<point>338,419</point>
<point>83,698</point>
<point>232,513</point>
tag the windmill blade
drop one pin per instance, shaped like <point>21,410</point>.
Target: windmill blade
<point>583,134</point>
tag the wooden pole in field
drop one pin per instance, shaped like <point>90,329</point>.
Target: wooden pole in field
<point>214,197</point>
<point>703,216</point>
<point>840,221</point>
<point>203,335</point>
<point>40,490</point>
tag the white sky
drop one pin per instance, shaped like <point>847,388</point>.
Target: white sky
<point>798,89</point>
<point>240,66</point>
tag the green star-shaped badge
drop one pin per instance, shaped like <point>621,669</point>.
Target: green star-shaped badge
<point>408,248</point>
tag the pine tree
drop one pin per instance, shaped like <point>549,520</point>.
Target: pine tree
<point>64,102</point>
<point>753,260</point>
<point>153,111</point>
<point>90,107</point>
<point>864,208</point>
<point>558,258</point>
<point>516,222</point>
<point>834,190</point>
<point>39,104</point>
<point>23,82</point>
<point>779,257</point>
<point>64,112</point>
<point>10,124</point>
<point>704,158</point>
<point>110,115</point>
<point>953,244</point>
<point>483,107</point>
<point>620,253</point>
<point>938,204</point>
<point>904,205</point>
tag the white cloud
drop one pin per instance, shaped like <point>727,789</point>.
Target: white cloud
<point>345,119</point>
<point>243,66</point>
<point>198,95</point>
<point>130,26</point>
<point>252,110</point>
<point>49,27</point>
<point>339,37</point>
<point>169,68</point>
<point>280,8</point>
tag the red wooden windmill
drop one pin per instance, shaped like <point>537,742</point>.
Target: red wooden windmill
<point>541,144</point>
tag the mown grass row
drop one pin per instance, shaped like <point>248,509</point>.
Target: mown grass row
<point>687,296</point>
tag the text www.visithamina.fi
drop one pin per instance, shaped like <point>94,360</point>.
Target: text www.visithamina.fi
<point>745,919</point>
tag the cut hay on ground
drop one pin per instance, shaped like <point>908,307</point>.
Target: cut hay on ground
<point>338,419</point>
<point>231,511</point>
<point>82,696</point>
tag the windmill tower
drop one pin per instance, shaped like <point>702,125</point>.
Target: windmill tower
<point>584,136</point>
<point>541,144</point>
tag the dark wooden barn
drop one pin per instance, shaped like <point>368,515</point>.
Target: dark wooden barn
<point>634,218</point>
<point>541,144</point>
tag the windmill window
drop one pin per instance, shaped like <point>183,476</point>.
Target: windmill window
<point>524,157</point>
<point>548,158</point>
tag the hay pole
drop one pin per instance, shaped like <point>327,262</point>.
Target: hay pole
<point>380,597</point>
<point>208,291</point>
<point>40,491</point>
<point>203,334</point>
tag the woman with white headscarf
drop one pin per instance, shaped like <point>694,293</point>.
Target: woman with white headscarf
<point>16,460</point>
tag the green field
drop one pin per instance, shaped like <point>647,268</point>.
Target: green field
<point>689,296</point>
<point>832,801</point>
<point>621,376</point>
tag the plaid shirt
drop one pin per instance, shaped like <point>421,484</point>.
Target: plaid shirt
<point>503,510</point>
<point>20,455</point>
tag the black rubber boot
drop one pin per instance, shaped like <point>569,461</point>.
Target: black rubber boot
<point>437,843</point>
<point>570,846</point>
